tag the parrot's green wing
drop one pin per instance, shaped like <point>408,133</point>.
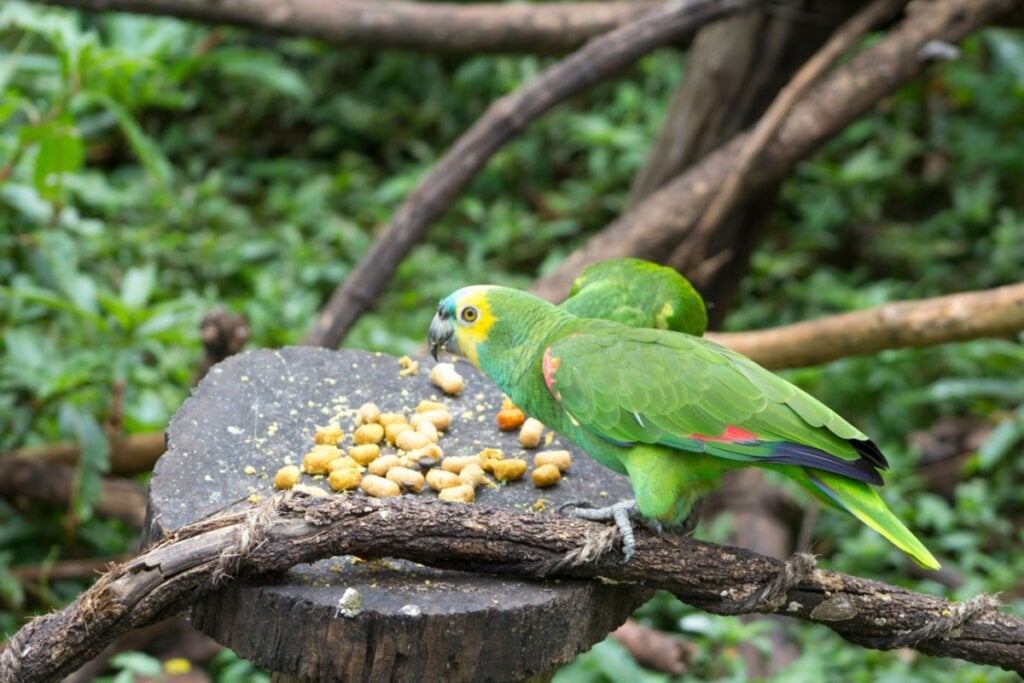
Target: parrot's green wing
<point>637,293</point>
<point>634,386</point>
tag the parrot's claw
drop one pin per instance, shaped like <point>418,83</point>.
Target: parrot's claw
<point>574,504</point>
<point>620,513</point>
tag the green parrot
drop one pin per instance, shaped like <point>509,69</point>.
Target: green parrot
<point>672,411</point>
<point>638,293</point>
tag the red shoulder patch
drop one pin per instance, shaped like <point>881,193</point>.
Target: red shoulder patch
<point>732,433</point>
<point>549,365</point>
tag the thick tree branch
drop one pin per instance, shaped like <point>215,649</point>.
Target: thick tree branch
<point>289,529</point>
<point>691,253</point>
<point>552,28</point>
<point>958,317</point>
<point>506,118</point>
<point>668,216</point>
<point>53,485</point>
<point>129,454</point>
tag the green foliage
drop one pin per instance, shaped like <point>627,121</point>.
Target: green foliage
<point>226,667</point>
<point>151,169</point>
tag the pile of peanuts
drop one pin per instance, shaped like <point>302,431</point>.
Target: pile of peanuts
<point>416,442</point>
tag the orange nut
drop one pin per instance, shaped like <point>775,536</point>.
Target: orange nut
<point>560,459</point>
<point>529,435</point>
<point>368,433</point>
<point>329,435</point>
<point>442,479</point>
<point>365,453</point>
<point>510,419</point>
<point>463,493</point>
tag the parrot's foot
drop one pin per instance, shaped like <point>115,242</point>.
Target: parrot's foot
<point>620,513</point>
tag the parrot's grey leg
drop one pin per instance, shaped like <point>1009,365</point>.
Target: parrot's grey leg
<point>620,513</point>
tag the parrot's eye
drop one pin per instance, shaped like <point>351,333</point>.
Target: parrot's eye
<point>469,314</point>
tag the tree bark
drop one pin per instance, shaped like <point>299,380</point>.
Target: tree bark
<point>733,69</point>
<point>549,28</point>
<point>665,218</point>
<point>289,529</point>
<point>901,324</point>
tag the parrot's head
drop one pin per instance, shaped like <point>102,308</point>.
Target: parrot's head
<point>463,321</point>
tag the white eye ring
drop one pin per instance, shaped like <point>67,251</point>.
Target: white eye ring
<point>469,314</point>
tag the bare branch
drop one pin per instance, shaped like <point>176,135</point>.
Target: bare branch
<point>53,484</point>
<point>668,216</point>
<point>287,530</point>
<point>129,454</point>
<point>654,649</point>
<point>551,28</point>
<point>504,120</point>
<point>958,317</point>
<point>692,251</point>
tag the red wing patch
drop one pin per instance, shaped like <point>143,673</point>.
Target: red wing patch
<point>732,433</point>
<point>550,364</point>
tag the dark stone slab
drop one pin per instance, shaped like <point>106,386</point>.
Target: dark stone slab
<point>260,410</point>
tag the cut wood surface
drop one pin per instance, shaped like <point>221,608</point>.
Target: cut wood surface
<point>258,410</point>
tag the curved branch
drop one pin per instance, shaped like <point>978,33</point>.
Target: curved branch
<point>549,28</point>
<point>289,529</point>
<point>957,317</point>
<point>667,217</point>
<point>504,120</point>
<point>689,256</point>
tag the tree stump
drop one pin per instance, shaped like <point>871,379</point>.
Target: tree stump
<point>259,410</point>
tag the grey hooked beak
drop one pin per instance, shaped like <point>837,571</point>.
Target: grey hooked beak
<point>440,334</point>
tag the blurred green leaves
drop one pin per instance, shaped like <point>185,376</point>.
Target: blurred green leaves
<point>152,168</point>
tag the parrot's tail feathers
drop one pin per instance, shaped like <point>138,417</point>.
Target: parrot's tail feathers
<point>789,453</point>
<point>864,503</point>
<point>870,452</point>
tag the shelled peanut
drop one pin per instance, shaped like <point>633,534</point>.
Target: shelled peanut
<point>419,460</point>
<point>447,379</point>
